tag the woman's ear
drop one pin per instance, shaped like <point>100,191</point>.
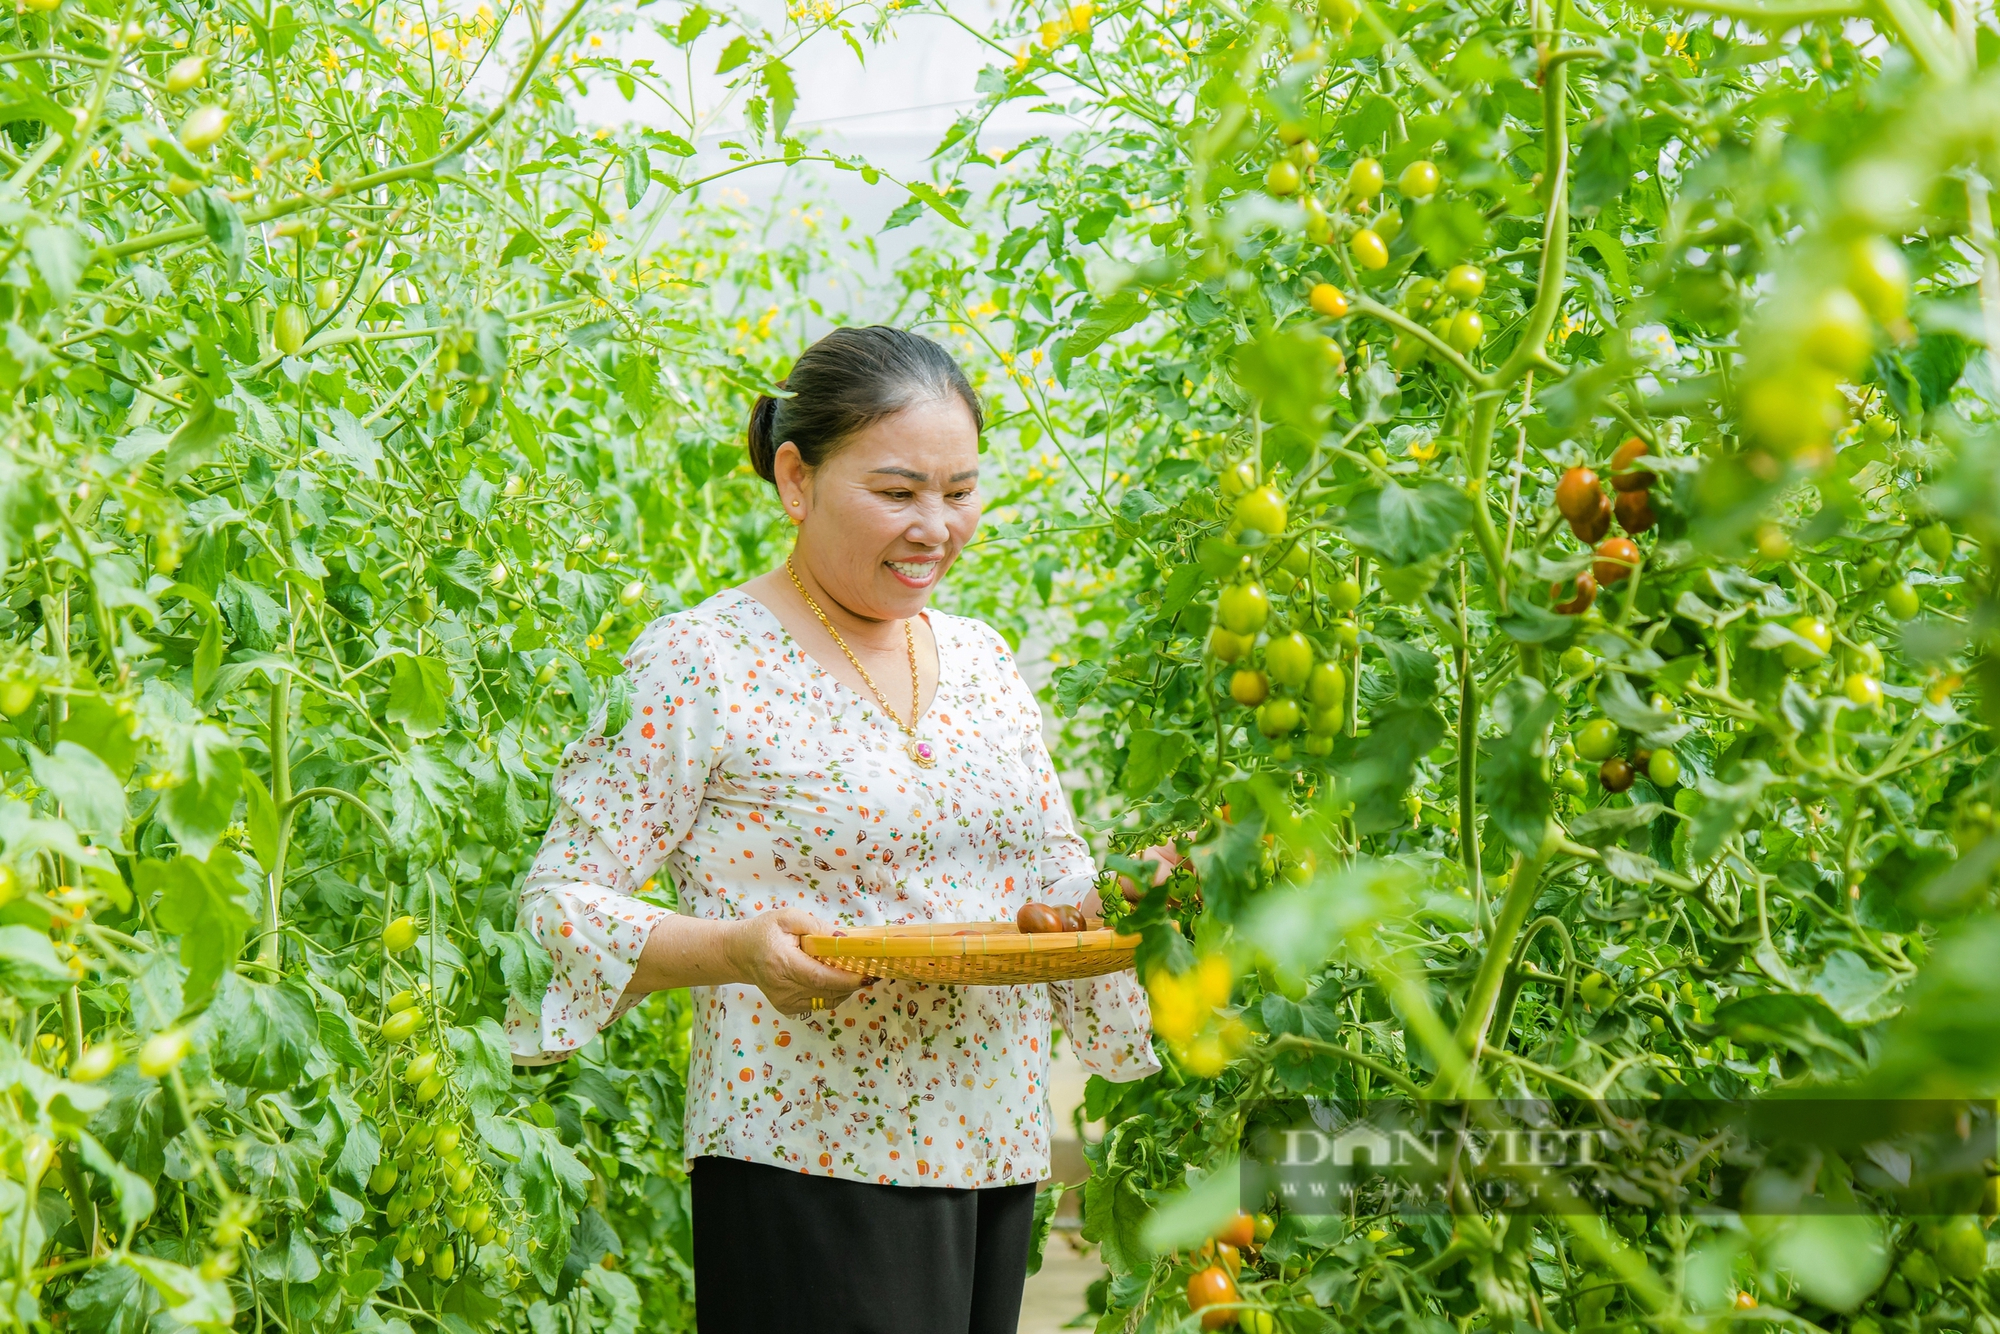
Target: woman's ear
<point>789,471</point>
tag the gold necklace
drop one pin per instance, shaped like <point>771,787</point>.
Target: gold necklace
<point>920,751</point>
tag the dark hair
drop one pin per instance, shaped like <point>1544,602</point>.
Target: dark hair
<point>847,381</point>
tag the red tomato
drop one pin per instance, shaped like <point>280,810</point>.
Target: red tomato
<point>1240,1232</point>
<point>1616,559</point>
<point>1586,593</point>
<point>1616,774</point>
<point>1634,510</point>
<point>1577,494</point>
<point>1036,918</point>
<point>1072,917</point>
<point>1594,524</point>
<point>1210,1287</point>
<point>1622,478</point>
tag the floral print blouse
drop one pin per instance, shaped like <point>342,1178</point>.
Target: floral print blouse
<point>758,782</point>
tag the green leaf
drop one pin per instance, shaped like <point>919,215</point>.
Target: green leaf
<point>197,902</point>
<point>224,226</point>
<point>1449,230</point>
<point>485,1069</point>
<point>1075,684</point>
<point>92,798</point>
<point>207,774</point>
<point>1801,1023</point>
<point>1046,1202</point>
<point>1513,776</point>
<point>1727,809</point>
<point>1404,525</point>
<point>261,820</point>
<point>735,55</point>
<point>784,94</point>
<point>110,1299</point>
<point>1150,757</point>
<point>1103,321</point>
<point>638,176</point>
<point>1289,373</point>
<point>420,695</point>
<point>1622,705</point>
<point>58,258</point>
<point>29,969</point>
<point>132,1191</point>
<point>261,1034</point>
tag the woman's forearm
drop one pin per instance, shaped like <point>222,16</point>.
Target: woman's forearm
<point>761,951</point>
<point>688,952</point>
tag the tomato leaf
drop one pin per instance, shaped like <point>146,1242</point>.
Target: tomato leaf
<point>1404,525</point>
<point>261,1035</point>
<point>197,901</point>
<point>29,968</point>
<point>420,695</point>
<point>1513,774</point>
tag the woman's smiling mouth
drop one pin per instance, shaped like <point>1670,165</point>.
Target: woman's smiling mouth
<point>915,572</point>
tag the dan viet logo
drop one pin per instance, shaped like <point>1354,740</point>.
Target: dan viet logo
<point>1363,1146</point>
<point>1752,1156</point>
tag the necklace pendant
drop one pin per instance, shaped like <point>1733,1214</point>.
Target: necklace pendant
<point>922,752</point>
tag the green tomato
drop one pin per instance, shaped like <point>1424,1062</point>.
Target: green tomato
<point>1900,601</point>
<point>428,1090</point>
<point>1936,540</point>
<point>327,294</point>
<point>420,1067</point>
<point>383,1179</point>
<point>1420,180</point>
<point>1326,722</point>
<point>1227,646</point>
<point>1862,690</point>
<point>1279,717</point>
<point>288,328</point>
<point>1369,249</point>
<point>1921,1271</point>
<point>400,934</point>
<point>1960,1247</point>
<point>1249,687</point>
<point>1298,559</point>
<point>1282,177</point>
<point>1346,634</point>
<point>401,1025</point>
<point>1818,636</point>
<point>1573,782</point>
<point>1364,178</point>
<point>1871,571</point>
<point>1578,661</point>
<point>1243,608</point>
<point>1344,594</point>
<point>1262,511</point>
<point>1417,296</point>
<point>1838,335</point>
<point>1467,330</point>
<point>1237,478</point>
<point>1664,768</point>
<point>1319,744</point>
<point>444,1262</point>
<point>1465,282</point>
<point>1289,660</point>
<point>1327,687</point>
<point>1597,740</point>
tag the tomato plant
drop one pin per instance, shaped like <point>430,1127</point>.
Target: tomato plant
<point>361,403</point>
<point>1618,372</point>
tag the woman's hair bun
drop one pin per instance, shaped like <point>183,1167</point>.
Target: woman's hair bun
<point>763,449</point>
<point>846,382</point>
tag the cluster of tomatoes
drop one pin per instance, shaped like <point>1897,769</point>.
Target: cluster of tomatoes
<point>1581,499</point>
<point>1212,1291</point>
<point>1289,683</point>
<point>1037,919</point>
<point>437,1197</point>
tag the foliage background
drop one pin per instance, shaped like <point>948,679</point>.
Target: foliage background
<point>343,452</point>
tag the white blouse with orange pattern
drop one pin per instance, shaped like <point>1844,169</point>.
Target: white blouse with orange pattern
<point>758,782</point>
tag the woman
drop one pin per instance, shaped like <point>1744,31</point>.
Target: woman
<point>811,749</point>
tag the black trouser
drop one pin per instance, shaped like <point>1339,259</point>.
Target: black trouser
<point>777,1251</point>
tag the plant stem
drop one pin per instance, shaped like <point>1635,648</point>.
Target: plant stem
<point>271,951</point>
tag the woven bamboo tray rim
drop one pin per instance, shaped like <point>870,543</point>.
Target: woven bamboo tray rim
<point>956,940</point>
<point>973,954</point>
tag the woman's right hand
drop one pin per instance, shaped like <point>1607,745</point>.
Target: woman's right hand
<point>766,951</point>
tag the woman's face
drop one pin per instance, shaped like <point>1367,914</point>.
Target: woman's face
<point>883,518</point>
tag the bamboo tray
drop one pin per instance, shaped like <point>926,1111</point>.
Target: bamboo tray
<point>980,954</point>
